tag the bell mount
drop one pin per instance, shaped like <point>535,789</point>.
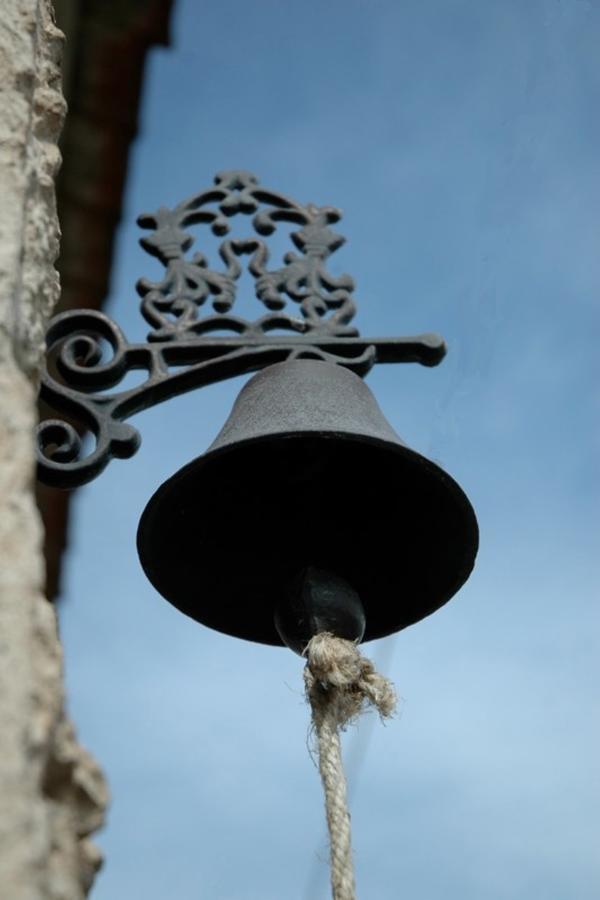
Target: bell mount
<point>186,350</point>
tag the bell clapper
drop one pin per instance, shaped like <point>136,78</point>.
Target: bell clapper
<point>317,601</point>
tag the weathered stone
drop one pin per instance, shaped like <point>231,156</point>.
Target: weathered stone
<point>52,795</point>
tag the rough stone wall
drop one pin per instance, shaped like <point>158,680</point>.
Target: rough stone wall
<point>52,794</point>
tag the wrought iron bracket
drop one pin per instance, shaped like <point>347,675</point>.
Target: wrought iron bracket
<point>88,353</point>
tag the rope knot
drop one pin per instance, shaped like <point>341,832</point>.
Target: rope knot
<point>337,675</point>
<point>334,661</point>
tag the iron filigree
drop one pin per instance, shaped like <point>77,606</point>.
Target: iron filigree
<point>88,354</point>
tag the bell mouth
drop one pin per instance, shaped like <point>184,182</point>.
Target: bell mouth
<point>222,538</point>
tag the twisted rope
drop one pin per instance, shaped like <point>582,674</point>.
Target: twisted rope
<point>340,684</point>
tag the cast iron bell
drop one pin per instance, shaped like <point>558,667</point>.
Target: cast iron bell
<point>308,496</point>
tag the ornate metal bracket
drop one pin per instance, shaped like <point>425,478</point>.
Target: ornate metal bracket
<point>88,353</point>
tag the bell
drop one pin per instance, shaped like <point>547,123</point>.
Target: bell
<point>306,512</point>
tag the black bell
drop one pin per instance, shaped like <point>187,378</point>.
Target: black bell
<point>306,484</point>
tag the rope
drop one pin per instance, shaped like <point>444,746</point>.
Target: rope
<point>340,684</point>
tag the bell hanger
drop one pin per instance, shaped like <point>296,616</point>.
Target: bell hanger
<point>307,485</point>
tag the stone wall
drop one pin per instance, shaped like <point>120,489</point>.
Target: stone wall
<point>52,794</point>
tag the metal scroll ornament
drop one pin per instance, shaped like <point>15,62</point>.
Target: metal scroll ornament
<point>195,338</point>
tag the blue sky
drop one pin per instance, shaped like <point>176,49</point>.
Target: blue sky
<point>462,141</point>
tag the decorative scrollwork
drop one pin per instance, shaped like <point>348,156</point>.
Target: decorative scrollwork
<point>88,354</point>
<point>172,305</point>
